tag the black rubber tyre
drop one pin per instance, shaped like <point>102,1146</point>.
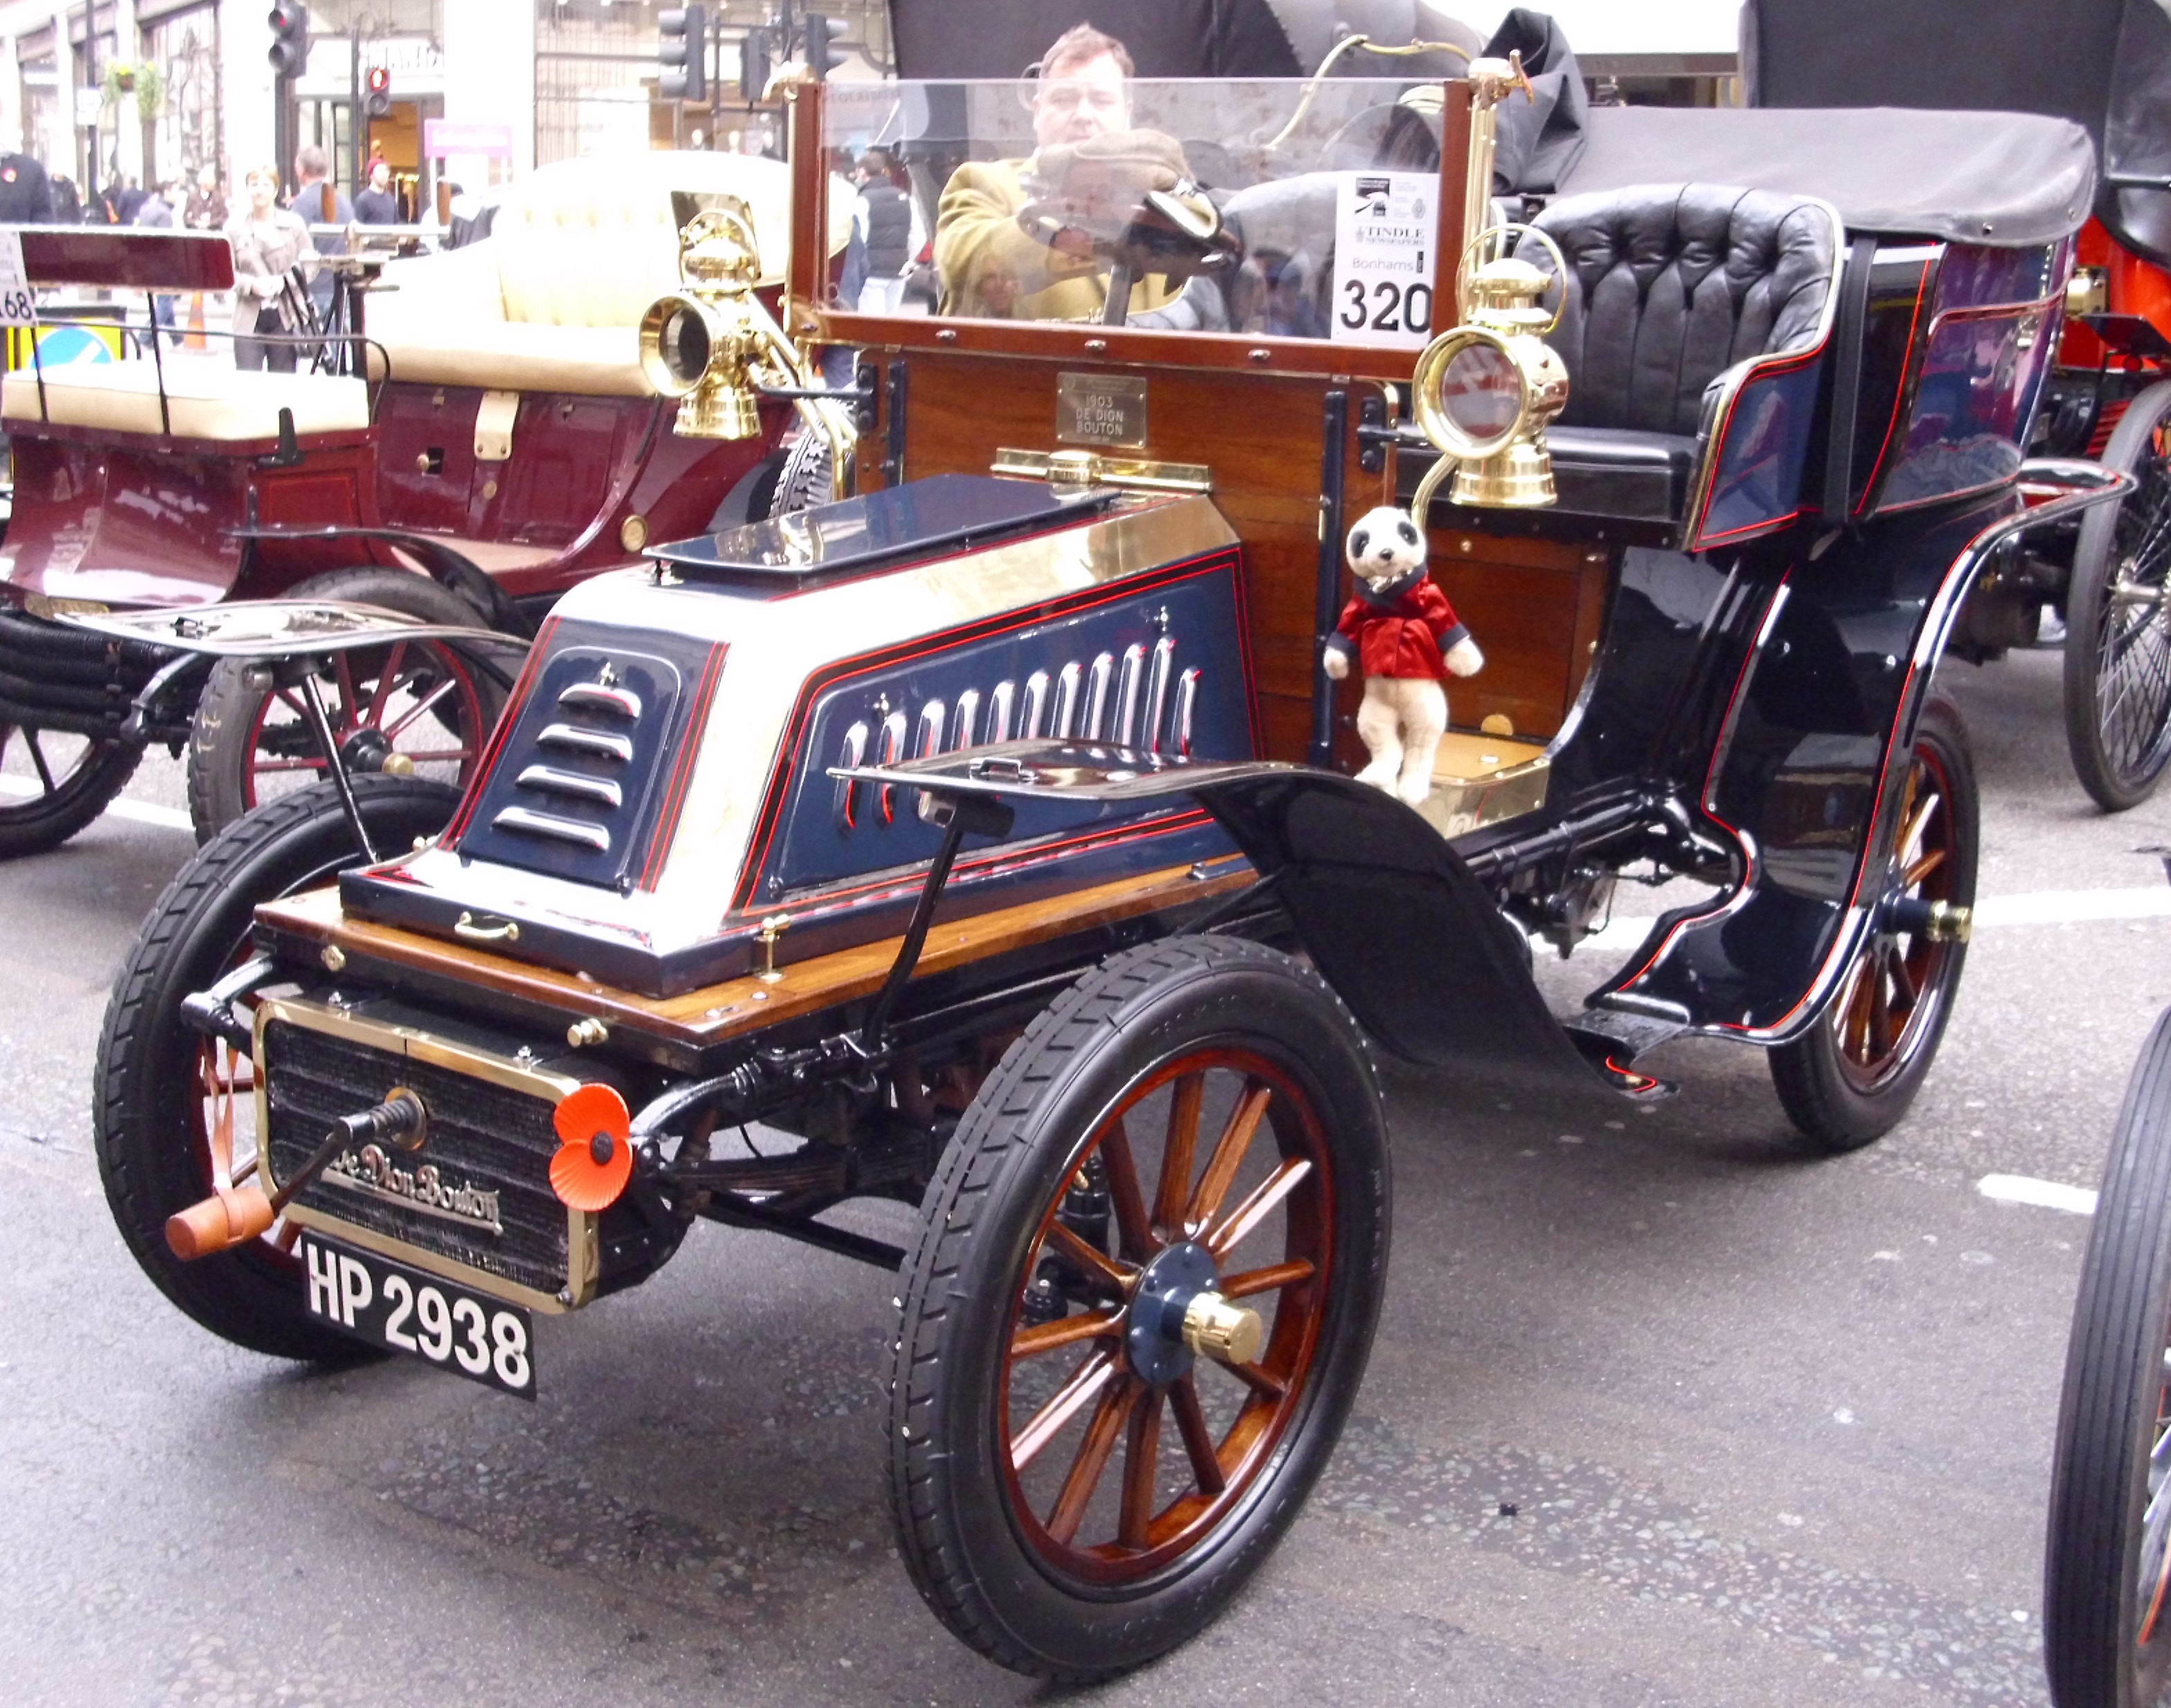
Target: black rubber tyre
<point>239,730</point>
<point>806,478</point>
<point>1146,1024</point>
<point>2106,1630</point>
<point>1849,1078</point>
<point>149,1098</point>
<point>74,786</point>
<point>2118,619</point>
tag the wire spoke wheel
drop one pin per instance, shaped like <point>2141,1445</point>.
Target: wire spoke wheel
<point>1216,1151</point>
<point>1140,1306</point>
<point>2107,1558</point>
<point>2118,646</point>
<point>1851,1077</point>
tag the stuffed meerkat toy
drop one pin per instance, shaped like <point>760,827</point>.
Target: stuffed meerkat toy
<point>1403,633</point>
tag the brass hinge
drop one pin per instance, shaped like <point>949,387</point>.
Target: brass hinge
<point>1091,468</point>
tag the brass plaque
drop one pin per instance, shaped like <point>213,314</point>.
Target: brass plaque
<point>1100,408</point>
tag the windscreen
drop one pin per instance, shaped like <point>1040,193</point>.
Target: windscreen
<point>1281,209</point>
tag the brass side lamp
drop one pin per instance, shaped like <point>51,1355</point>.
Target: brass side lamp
<point>1485,391</point>
<point>714,346</point>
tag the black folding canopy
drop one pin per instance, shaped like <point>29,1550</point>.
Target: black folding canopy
<point>2105,65</point>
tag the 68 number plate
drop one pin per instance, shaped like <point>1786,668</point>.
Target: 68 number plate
<point>391,1305</point>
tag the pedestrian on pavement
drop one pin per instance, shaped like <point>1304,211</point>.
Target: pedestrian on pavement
<point>67,206</point>
<point>206,205</point>
<point>377,204</point>
<point>26,195</point>
<point>270,242</point>
<point>159,211</point>
<point>314,176</point>
<point>887,221</point>
<point>128,202</point>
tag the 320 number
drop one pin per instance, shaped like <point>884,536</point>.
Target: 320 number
<point>1384,306</point>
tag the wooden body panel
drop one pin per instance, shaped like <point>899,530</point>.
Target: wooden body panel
<point>1535,607</point>
<point>1262,435</point>
<point>719,1012</point>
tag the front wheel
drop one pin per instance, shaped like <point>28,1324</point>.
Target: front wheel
<point>1139,1308</point>
<point>174,1111</point>
<point>2118,619</point>
<point>1850,1078</point>
<point>2107,1566</point>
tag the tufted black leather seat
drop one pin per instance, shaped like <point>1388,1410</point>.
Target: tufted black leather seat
<point>1670,285</point>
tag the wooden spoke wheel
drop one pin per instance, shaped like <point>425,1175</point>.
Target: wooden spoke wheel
<point>52,784</point>
<point>1140,1307</point>
<point>174,1111</point>
<point>1851,1077</point>
<point>1103,1365</point>
<point>2118,606</point>
<point>423,700</point>
<point>2107,1566</point>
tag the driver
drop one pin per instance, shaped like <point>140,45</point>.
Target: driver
<point>1089,169</point>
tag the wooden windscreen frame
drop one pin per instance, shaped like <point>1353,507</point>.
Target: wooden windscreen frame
<point>807,280</point>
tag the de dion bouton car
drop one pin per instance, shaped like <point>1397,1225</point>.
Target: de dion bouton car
<point>986,839</point>
<point>484,438</point>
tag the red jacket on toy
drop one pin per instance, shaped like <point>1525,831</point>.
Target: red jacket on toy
<point>1401,633</point>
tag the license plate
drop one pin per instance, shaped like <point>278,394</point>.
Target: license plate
<point>391,1305</point>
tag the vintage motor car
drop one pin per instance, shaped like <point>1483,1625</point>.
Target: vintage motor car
<point>987,840</point>
<point>2107,66</point>
<point>503,444</point>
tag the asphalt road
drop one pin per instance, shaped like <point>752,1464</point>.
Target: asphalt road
<point>1777,1429</point>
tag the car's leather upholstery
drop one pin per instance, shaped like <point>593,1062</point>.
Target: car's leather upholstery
<point>551,301</point>
<point>203,401</point>
<point>1670,285</point>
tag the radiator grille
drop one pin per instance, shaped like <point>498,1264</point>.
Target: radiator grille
<point>490,1147</point>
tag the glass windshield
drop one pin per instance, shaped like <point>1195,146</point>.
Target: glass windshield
<point>1267,208</point>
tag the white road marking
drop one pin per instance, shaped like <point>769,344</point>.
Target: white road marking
<point>2046,1195</point>
<point>139,811</point>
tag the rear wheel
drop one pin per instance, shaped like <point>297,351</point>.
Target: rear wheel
<point>2107,1566</point>
<point>53,784</point>
<point>2118,619</point>
<point>1082,1474</point>
<point>1850,1078</point>
<point>252,743</point>
<point>174,1111</point>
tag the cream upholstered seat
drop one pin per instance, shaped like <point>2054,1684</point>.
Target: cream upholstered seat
<point>204,400</point>
<point>552,300</point>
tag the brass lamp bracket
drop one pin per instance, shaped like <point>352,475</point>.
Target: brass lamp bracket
<point>1080,469</point>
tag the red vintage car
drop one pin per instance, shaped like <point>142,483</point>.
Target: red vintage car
<point>492,440</point>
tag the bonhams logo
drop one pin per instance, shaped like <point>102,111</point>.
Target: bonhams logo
<point>370,1170</point>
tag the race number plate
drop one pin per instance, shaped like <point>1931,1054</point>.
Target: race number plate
<point>392,1306</point>
<point>1386,238</point>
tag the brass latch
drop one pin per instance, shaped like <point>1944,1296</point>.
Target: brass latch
<point>1078,469</point>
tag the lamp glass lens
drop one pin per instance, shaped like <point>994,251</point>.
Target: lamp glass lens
<point>682,342</point>
<point>1480,391</point>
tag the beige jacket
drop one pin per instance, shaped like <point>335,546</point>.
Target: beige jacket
<point>264,251</point>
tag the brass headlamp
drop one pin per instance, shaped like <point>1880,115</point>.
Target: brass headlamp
<point>713,345</point>
<point>1484,392</point>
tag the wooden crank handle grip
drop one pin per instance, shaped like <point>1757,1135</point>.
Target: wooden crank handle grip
<point>229,1218</point>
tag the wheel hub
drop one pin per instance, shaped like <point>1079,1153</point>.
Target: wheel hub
<point>1175,1315</point>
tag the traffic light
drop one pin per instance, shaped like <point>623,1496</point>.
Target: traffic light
<point>377,92</point>
<point>684,52</point>
<point>753,65</point>
<point>823,54</point>
<point>290,39</point>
